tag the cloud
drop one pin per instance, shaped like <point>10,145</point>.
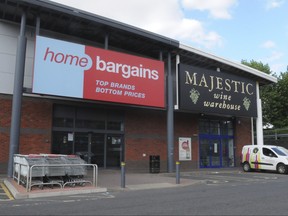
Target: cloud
<point>165,17</point>
<point>277,67</point>
<point>275,55</point>
<point>268,44</point>
<point>189,30</point>
<point>271,4</point>
<point>219,9</point>
<point>275,61</point>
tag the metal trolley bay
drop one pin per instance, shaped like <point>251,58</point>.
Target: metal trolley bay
<point>52,170</point>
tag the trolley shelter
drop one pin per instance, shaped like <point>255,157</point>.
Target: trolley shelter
<point>109,92</point>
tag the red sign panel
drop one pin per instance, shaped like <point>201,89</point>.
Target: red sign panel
<point>92,73</point>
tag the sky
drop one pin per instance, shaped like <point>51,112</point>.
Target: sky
<point>232,29</point>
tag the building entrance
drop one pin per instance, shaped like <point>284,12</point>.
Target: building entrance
<point>90,147</point>
<point>97,136</point>
<point>216,142</point>
<point>105,150</point>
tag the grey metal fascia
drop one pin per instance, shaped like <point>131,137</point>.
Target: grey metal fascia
<point>103,20</point>
<point>231,63</point>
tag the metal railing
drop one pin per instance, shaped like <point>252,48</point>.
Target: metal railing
<point>29,183</point>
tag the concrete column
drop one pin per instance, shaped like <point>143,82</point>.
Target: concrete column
<point>17,95</point>
<point>259,120</point>
<point>170,119</point>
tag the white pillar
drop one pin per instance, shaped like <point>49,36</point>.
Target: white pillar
<point>252,131</point>
<point>259,121</point>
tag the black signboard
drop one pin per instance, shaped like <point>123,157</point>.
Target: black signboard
<point>212,92</point>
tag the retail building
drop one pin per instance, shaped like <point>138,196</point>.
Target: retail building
<point>76,83</point>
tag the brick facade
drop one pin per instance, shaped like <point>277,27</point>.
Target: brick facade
<point>145,133</point>
<point>5,121</point>
<point>242,136</point>
<point>36,121</point>
<point>186,125</point>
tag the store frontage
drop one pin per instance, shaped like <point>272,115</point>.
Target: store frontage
<point>220,97</point>
<point>118,93</point>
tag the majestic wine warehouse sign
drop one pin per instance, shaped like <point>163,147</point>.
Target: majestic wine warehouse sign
<point>212,92</point>
<point>73,70</point>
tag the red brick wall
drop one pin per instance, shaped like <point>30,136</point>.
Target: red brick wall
<point>242,136</point>
<point>186,125</point>
<point>5,121</point>
<point>36,123</point>
<point>36,120</point>
<point>145,133</point>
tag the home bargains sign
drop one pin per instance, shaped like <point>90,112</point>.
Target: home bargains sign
<point>212,92</point>
<point>73,70</point>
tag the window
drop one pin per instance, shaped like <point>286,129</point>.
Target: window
<point>89,119</point>
<point>267,152</point>
<point>63,122</point>
<point>216,127</point>
<point>279,152</point>
<point>113,125</point>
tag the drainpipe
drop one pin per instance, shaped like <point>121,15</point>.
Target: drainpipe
<point>17,95</point>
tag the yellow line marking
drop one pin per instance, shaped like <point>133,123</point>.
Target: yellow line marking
<point>7,191</point>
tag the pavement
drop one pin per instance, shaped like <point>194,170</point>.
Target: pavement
<point>108,180</point>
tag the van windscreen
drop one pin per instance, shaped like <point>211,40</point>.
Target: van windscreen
<point>279,152</point>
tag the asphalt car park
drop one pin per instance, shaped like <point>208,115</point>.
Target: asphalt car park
<point>234,177</point>
<point>210,178</point>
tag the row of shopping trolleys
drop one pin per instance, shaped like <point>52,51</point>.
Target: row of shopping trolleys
<point>52,170</point>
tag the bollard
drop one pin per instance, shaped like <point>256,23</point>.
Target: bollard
<point>177,172</point>
<point>122,174</point>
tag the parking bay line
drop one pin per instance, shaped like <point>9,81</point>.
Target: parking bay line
<point>6,191</point>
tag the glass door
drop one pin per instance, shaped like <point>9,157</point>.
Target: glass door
<point>215,153</point>
<point>210,152</point>
<point>97,148</point>
<point>227,152</point>
<point>81,146</point>
<point>204,153</point>
<point>114,150</point>
<point>90,147</point>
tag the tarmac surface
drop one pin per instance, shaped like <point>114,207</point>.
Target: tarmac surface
<point>108,180</point>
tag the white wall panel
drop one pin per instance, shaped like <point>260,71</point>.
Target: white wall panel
<point>6,83</point>
<point>7,63</point>
<point>8,47</point>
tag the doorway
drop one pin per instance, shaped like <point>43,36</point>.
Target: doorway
<point>114,146</point>
<point>98,148</point>
<point>90,147</point>
<point>216,144</point>
<point>210,152</point>
<point>96,135</point>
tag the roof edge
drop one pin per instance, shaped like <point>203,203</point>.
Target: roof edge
<point>231,63</point>
<point>98,18</point>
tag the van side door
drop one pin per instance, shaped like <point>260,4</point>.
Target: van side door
<point>268,159</point>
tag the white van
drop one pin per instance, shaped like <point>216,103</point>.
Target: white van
<point>264,157</point>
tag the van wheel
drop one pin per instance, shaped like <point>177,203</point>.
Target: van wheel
<point>281,168</point>
<point>246,167</point>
